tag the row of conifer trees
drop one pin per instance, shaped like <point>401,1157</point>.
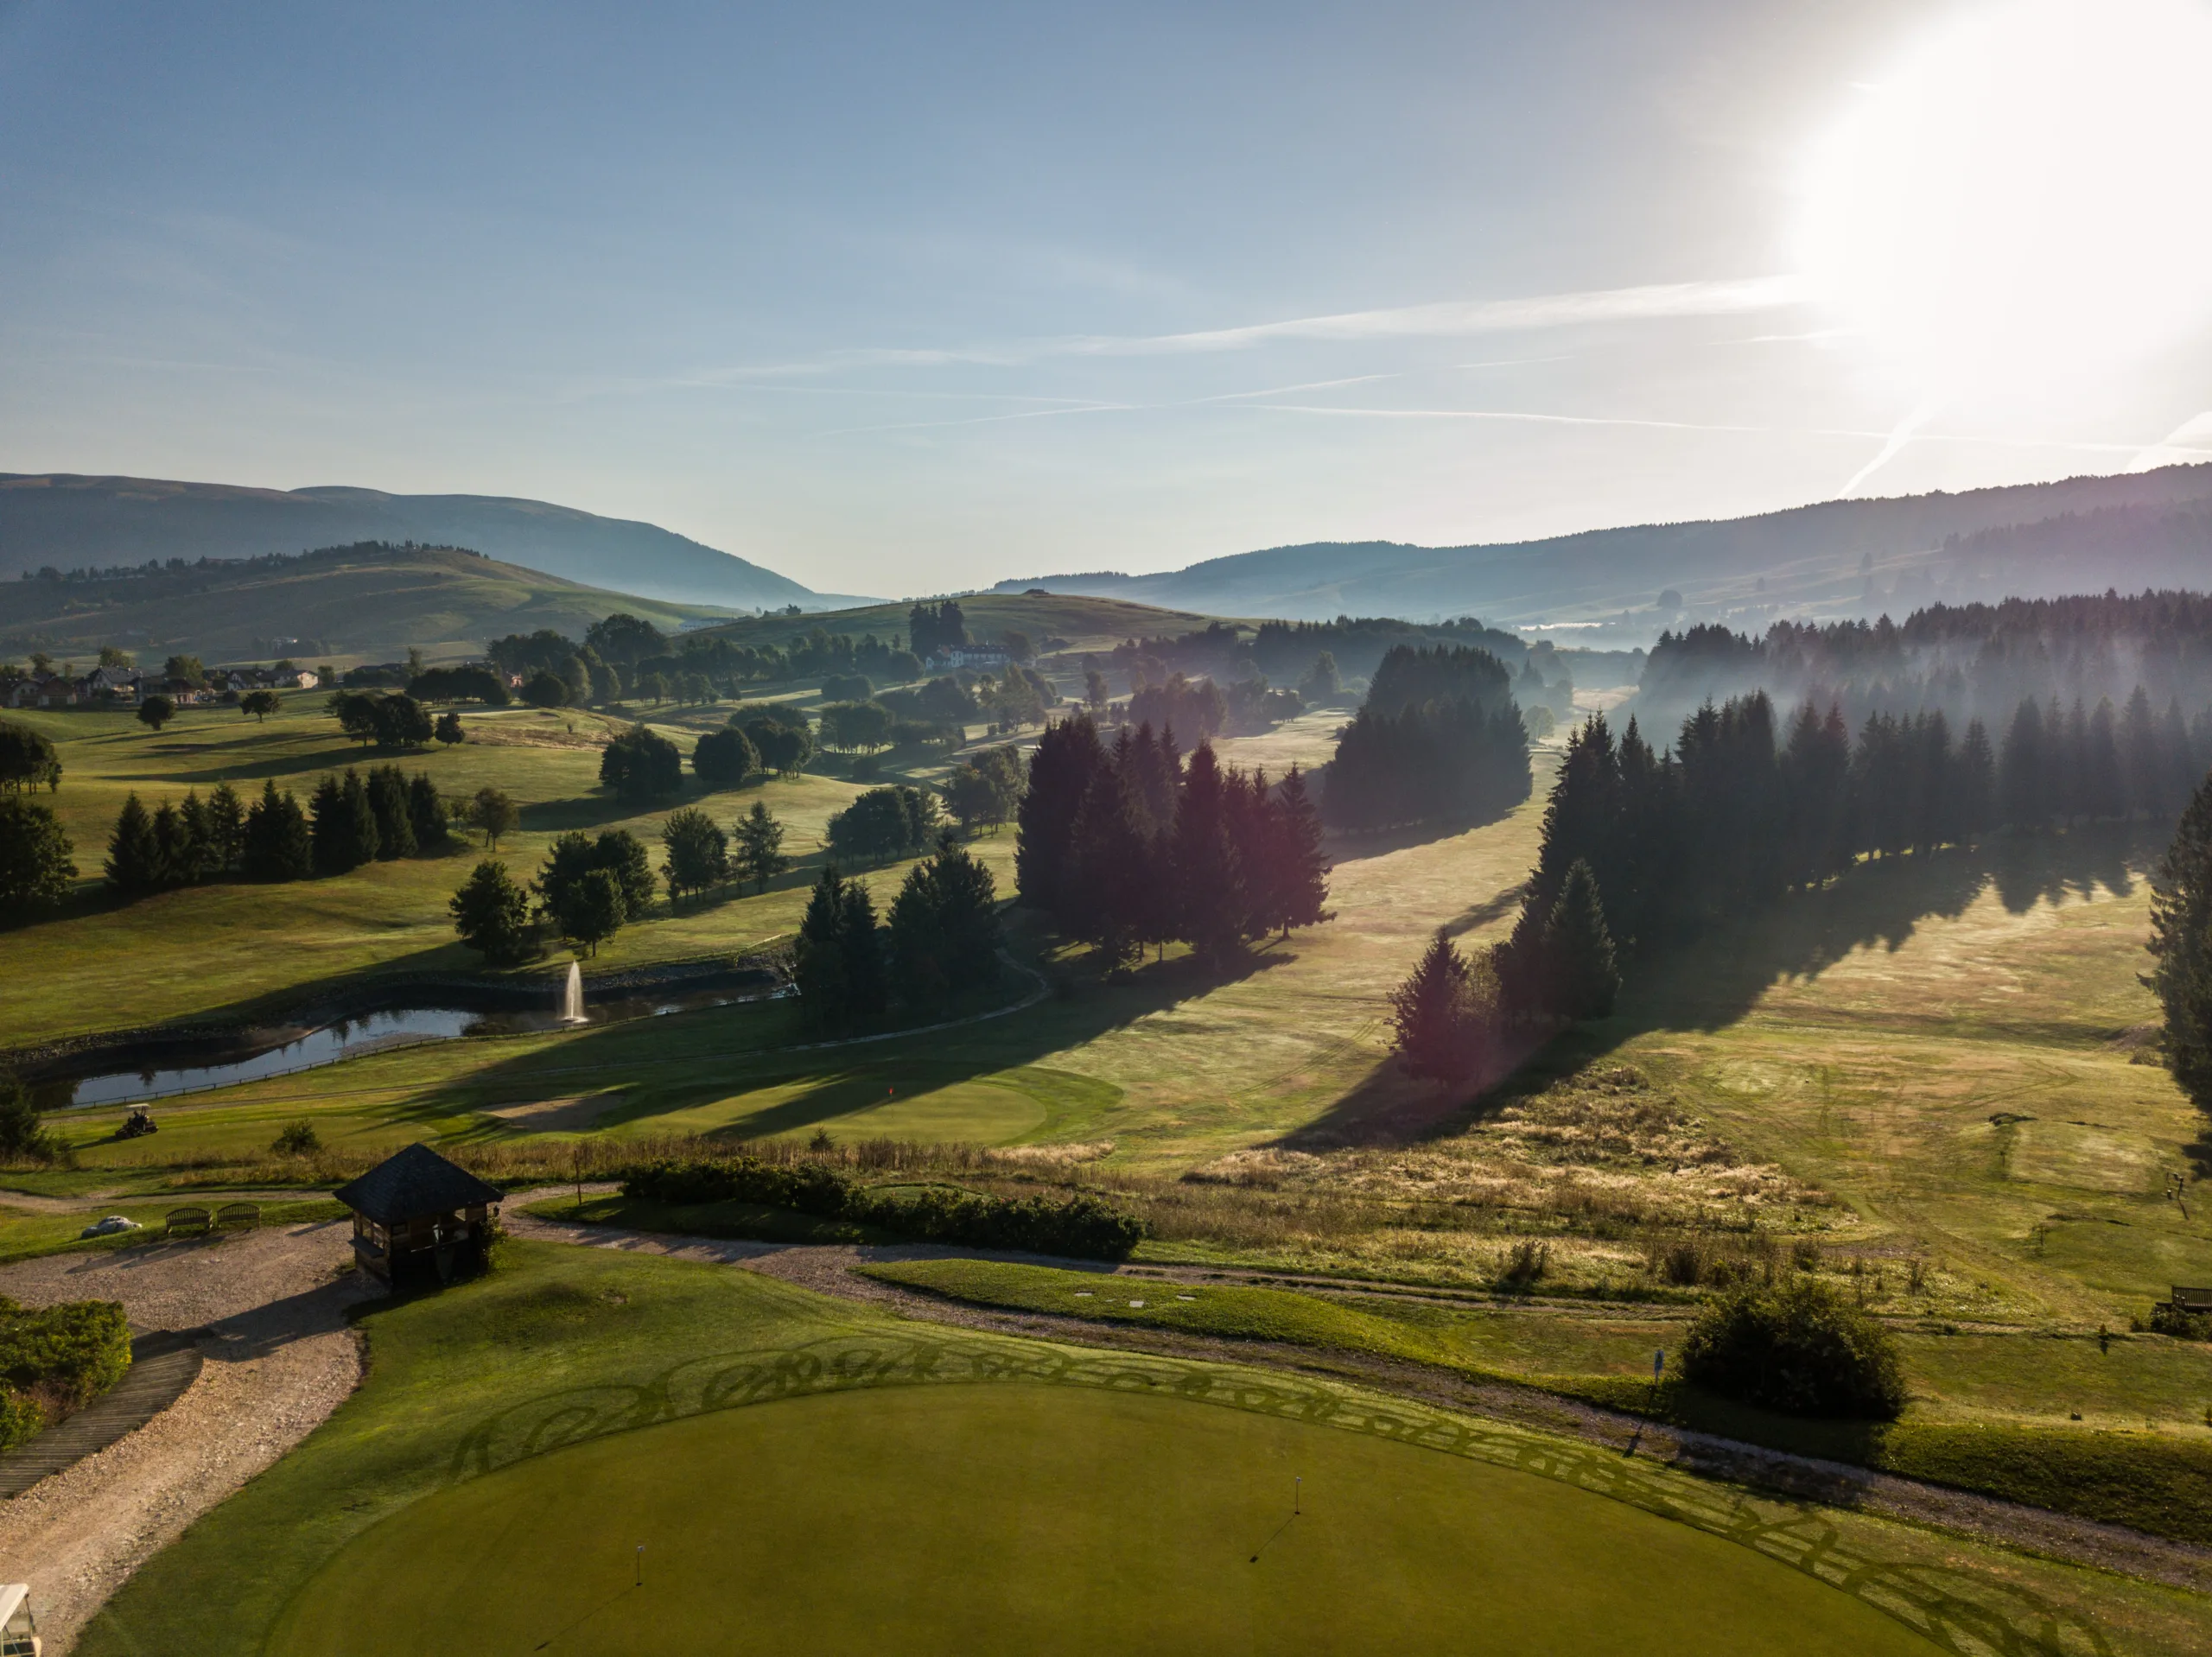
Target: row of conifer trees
<point>942,940</point>
<point>1130,845</point>
<point>1642,849</point>
<point>348,822</point>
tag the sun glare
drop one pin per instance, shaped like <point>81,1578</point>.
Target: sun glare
<point>2021,196</point>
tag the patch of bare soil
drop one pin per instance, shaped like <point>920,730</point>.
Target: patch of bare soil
<point>280,1357</point>
<point>578,1113</point>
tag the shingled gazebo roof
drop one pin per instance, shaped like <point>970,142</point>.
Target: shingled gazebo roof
<point>415,1183</point>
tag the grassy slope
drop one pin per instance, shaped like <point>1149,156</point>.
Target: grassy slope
<point>2161,1483</point>
<point>370,607</point>
<point>198,951</point>
<point>563,1346</point>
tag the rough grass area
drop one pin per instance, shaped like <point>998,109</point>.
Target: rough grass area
<point>2158,1481</point>
<point>926,1488</point>
<point>745,1221</point>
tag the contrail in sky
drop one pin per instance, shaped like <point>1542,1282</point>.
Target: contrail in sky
<point>1894,446</point>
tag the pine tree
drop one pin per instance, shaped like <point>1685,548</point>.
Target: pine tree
<point>2183,772</point>
<point>760,847</point>
<point>818,956</point>
<point>426,814</point>
<point>133,858</point>
<point>278,845</point>
<point>2104,785</point>
<point>1436,1030</point>
<point>1977,781</point>
<point>2139,756</point>
<point>2023,779</point>
<point>868,985</point>
<point>196,847</point>
<point>225,829</point>
<point>944,928</point>
<point>173,851</point>
<point>1116,872</point>
<point>387,792</point>
<point>1066,757</point>
<point>2181,944</point>
<point>1304,883</point>
<point>1578,951</point>
<point>1208,881</point>
<point>490,913</point>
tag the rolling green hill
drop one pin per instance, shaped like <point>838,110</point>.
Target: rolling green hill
<point>365,602</point>
<point>1085,623</point>
<point>68,521</point>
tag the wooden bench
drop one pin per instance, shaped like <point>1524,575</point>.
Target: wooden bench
<point>2192,1300</point>
<point>244,1215</point>
<point>186,1221</point>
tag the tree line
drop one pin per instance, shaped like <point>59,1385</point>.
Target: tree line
<point>1642,849</point>
<point>941,940</point>
<point>1438,739</point>
<point>1130,846</point>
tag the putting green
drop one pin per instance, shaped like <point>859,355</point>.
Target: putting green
<point>982,1519</point>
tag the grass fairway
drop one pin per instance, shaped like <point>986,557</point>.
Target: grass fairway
<point>1014,1519</point>
<point>813,1474</point>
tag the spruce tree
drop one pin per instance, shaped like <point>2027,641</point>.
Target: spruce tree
<point>173,851</point>
<point>2139,756</point>
<point>1208,879</point>
<point>133,858</point>
<point>225,829</point>
<point>859,940</point>
<point>1435,1028</point>
<point>345,824</point>
<point>1977,781</point>
<point>278,846</point>
<point>1578,951</point>
<point>943,930</point>
<point>760,847</point>
<point>196,851</point>
<point>490,913</point>
<point>1304,866</point>
<point>426,814</point>
<point>387,791</point>
<point>2181,944</point>
<point>1115,869</point>
<point>2104,785</point>
<point>1060,770</point>
<point>2023,779</point>
<point>818,966</point>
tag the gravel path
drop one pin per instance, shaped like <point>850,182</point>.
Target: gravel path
<point>280,1357</point>
<point>828,1270</point>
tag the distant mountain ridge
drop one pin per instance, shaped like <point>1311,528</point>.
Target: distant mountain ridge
<point>67,520</point>
<point>2128,531</point>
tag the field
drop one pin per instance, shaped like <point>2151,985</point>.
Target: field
<point>1923,1083</point>
<point>361,608</point>
<point>797,1468</point>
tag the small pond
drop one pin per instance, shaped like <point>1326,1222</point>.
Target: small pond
<point>283,1051</point>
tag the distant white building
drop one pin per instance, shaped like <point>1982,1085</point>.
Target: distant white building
<point>976,658</point>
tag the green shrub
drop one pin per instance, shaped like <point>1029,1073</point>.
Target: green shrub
<point>1798,1348</point>
<point>20,1417</point>
<point>2166,1319</point>
<point>1083,1227</point>
<point>71,1353</point>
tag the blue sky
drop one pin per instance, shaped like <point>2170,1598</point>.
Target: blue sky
<point>907,298</point>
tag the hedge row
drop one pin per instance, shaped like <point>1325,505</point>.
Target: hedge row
<point>56,1360</point>
<point>1081,1227</point>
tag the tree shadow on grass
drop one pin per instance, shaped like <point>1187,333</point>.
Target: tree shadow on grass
<point>827,1083</point>
<point>1711,984</point>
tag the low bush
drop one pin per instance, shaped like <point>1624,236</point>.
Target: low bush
<point>1082,1226</point>
<point>2166,1319</point>
<point>61,1357</point>
<point>1796,1348</point>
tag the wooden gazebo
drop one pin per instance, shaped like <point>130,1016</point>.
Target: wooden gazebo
<point>416,1215</point>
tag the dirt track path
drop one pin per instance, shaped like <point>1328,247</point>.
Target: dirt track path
<point>280,1357</point>
<point>829,1270</point>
